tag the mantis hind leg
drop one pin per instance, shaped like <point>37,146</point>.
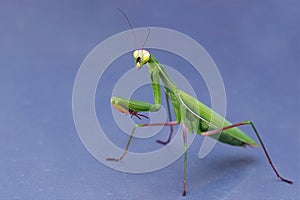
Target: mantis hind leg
<point>171,123</point>
<point>216,131</point>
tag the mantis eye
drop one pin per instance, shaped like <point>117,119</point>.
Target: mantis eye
<point>138,60</point>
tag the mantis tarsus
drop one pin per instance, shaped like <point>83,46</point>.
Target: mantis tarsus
<point>190,112</point>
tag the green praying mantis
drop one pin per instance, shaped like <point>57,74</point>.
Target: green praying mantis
<point>190,112</point>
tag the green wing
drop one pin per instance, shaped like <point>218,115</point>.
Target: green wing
<point>199,118</point>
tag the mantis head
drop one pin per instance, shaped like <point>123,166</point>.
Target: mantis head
<point>141,57</point>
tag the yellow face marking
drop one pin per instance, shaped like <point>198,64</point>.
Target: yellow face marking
<point>141,57</point>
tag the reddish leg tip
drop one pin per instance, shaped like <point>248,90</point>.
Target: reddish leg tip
<point>183,193</point>
<point>136,114</point>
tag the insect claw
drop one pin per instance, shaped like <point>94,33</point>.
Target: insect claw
<point>141,115</point>
<point>163,142</point>
<point>286,180</point>
<point>136,114</point>
<point>113,159</point>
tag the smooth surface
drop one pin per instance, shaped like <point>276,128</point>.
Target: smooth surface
<point>255,45</point>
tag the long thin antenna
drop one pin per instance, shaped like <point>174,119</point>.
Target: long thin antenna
<point>146,38</point>
<point>131,27</point>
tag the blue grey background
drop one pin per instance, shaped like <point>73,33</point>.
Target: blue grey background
<point>255,44</point>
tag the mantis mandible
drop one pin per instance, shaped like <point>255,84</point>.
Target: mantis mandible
<point>190,112</point>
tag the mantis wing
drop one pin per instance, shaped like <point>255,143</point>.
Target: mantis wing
<point>208,119</point>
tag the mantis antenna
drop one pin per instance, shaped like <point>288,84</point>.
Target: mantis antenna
<point>146,38</point>
<point>131,27</point>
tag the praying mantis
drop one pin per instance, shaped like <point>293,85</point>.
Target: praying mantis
<point>193,115</point>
